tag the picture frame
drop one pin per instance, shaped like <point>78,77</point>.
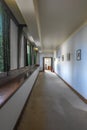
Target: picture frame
<point>78,54</point>
<point>62,57</point>
<point>68,56</point>
<point>58,58</point>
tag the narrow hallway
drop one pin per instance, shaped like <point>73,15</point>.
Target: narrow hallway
<point>53,106</point>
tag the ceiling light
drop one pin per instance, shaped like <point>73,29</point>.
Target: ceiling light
<point>35,48</point>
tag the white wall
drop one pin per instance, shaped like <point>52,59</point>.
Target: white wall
<point>13,45</point>
<point>10,112</point>
<point>73,71</point>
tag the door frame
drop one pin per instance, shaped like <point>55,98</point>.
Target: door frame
<point>51,62</point>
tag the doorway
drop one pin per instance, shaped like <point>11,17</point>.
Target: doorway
<point>47,63</point>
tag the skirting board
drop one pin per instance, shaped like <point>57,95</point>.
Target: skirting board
<point>80,96</point>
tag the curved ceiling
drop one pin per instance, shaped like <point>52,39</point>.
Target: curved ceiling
<point>51,22</point>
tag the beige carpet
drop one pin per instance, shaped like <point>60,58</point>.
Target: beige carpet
<point>53,106</point>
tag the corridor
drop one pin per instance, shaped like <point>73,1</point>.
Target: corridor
<point>53,106</point>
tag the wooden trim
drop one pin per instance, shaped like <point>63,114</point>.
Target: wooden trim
<point>22,112</point>
<point>78,94</point>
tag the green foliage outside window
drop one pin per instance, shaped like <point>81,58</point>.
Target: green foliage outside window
<point>1,44</point>
<point>4,40</point>
<point>31,55</point>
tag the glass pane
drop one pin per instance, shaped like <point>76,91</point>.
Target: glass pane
<point>28,54</point>
<point>4,40</point>
<point>35,56</point>
<point>1,44</point>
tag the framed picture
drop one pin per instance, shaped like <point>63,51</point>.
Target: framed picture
<point>68,56</point>
<point>58,58</point>
<point>78,54</point>
<point>62,57</point>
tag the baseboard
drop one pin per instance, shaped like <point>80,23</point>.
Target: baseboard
<point>78,94</point>
<point>20,116</point>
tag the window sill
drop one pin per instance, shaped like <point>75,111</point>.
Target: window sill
<point>9,85</point>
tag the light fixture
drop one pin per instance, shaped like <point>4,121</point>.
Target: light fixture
<point>35,48</point>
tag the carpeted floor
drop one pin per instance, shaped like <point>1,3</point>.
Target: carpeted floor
<point>53,106</point>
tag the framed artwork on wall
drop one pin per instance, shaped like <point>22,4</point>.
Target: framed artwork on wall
<point>78,54</point>
<point>62,57</point>
<point>58,58</point>
<point>68,56</point>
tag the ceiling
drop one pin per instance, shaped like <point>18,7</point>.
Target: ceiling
<point>51,22</point>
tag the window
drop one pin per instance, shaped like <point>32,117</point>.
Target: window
<point>4,40</point>
<point>31,54</point>
<point>28,54</point>
<point>1,44</point>
<point>35,56</point>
